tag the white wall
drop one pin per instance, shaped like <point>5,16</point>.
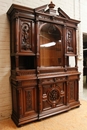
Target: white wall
<point>71,7</point>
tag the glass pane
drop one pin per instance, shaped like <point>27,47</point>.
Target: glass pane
<point>50,46</point>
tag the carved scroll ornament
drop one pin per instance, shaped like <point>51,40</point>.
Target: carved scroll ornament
<point>26,36</point>
<point>69,41</point>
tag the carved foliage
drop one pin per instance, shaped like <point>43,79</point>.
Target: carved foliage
<point>53,95</point>
<point>28,100</point>
<point>71,86</point>
<point>69,40</point>
<point>53,80</point>
<point>26,36</point>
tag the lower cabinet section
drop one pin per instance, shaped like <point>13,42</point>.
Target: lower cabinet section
<point>24,102</point>
<point>57,96</point>
<point>40,98</point>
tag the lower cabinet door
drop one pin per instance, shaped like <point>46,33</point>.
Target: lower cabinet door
<point>24,104</point>
<point>73,93</point>
<point>30,101</point>
<point>52,99</point>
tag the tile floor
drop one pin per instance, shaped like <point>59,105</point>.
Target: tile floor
<point>83,95</point>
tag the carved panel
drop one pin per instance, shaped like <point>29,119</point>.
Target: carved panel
<point>26,36</point>
<point>26,29</point>
<point>48,18</point>
<point>71,91</point>
<point>69,40</point>
<point>50,80</point>
<point>53,95</point>
<point>28,100</point>
<point>61,79</point>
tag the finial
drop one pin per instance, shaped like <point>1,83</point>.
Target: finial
<point>51,5</point>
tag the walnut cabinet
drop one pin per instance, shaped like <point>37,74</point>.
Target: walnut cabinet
<point>44,72</point>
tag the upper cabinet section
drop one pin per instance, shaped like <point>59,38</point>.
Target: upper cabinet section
<point>47,13</point>
<point>22,36</point>
<point>22,30</point>
<point>32,29</point>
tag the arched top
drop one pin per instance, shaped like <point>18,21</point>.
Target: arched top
<point>52,30</point>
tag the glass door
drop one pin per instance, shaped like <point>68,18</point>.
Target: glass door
<point>50,46</point>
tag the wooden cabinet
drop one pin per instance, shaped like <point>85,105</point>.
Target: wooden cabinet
<point>44,71</point>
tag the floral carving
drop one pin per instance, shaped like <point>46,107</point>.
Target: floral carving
<point>28,101</point>
<point>53,95</point>
<point>69,41</point>
<point>26,36</point>
<point>71,84</point>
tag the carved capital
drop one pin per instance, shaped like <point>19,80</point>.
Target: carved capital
<point>16,15</point>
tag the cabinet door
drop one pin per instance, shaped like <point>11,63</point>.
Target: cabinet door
<point>52,98</point>
<point>73,92</point>
<point>24,103</point>
<point>30,100</point>
<point>26,36</point>
<point>51,45</point>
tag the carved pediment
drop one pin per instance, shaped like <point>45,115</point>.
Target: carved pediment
<point>49,9</point>
<point>48,13</point>
<point>41,8</point>
<point>62,13</point>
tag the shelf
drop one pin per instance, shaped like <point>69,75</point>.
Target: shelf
<point>23,54</point>
<point>71,54</point>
